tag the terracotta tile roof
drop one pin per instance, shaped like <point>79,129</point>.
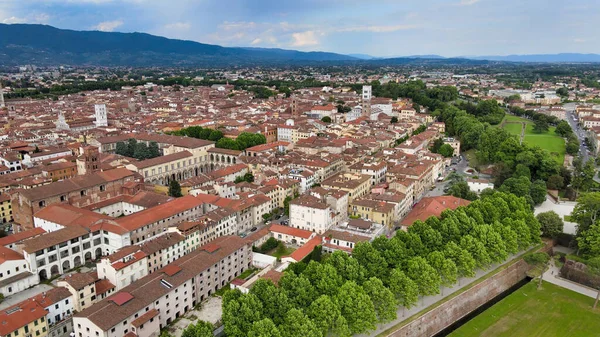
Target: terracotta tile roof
<point>53,238</point>
<point>75,184</point>
<point>144,318</point>
<point>272,275</point>
<point>79,280</point>
<point>19,315</point>
<point>301,233</point>
<point>17,237</point>
<point>7,254</point>
<point>103,286</point>
<point>433,206</point>
<point>154,214</point>
<point>344,236</point>
<point>52,296</point>
<point>302,252</point>
<point>67,215</point>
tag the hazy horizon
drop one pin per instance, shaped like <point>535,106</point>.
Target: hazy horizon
<point>377,28</point>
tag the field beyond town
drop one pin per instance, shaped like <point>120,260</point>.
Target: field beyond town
<point>552,311</point>
<point>548,141</point>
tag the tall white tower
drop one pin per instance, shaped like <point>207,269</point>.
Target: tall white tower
<point>367,92</point>
<point>1,97</point>
<point>101,119</point>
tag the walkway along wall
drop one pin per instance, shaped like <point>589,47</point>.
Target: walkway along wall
<point>439,318</point>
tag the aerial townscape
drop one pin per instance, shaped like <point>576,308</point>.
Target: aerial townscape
<point>162,187</point>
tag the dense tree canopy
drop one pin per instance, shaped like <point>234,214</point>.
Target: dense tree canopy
<point>344,295</point>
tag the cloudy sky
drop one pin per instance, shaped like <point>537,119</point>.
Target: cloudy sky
<point>376,27</point>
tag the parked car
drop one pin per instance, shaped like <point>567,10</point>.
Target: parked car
<point>253,229</point>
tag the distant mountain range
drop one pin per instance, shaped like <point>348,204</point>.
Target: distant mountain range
<point>549,58</point>
<point>45,45</point>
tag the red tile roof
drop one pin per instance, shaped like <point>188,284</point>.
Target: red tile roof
<point>302,252</point>
<point>121,298</point>
<point>433,206</point>
<point>154,214</point>
<point>144,318</point>
<point>19,315</point>
<point>7,240</point>
<point>290,231</point>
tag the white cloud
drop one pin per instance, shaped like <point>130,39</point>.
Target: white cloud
<point>108,26</point>
<point>256,41</point>
<point>179,26</point>
<point>579,40</point>
<point>467,2</point>
<point>302,39</point>
<point>34,18</point>
<point>376,29</point>
<point>14,19</point>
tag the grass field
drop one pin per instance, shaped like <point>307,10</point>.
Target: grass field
<point>552,311</point>
<point>514,128</point>
<point>548,141</point>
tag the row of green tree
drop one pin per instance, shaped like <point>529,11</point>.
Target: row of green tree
<point>138,150</point>
<point>243,141</point>
<point>198,132</point>
<point>344,295</point>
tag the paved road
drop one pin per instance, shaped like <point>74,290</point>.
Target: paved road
<point>551,276</point>
<point>460,168</point>
<point>579,132</point>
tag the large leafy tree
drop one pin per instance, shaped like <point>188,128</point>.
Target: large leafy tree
<point>298,289</point>
<point>383,299</point>
<point>370,258</point>
<point>587,210</point>
<point>356,307</point>
<point>589,241</point>
<point>264,328</point>
<point>239,315</point>
<point>446,268</point>
<point>465,263</point>
<point>324,277</point>
<point>297,324</point>
<point>551,223</point>
<point>477,250</point>
<point>404,289</point>
<point>325,313</point>
<point>347,267</point>
<point>274,300</point>
<point>427,279</point>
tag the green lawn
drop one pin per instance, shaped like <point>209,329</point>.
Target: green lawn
<point>548,141</point>
<point>280,251</point>
<point>514,128</point>
<point>552,311</point>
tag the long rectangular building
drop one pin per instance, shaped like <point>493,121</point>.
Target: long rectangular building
<point>80,191</point>
<point>154,301</point>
